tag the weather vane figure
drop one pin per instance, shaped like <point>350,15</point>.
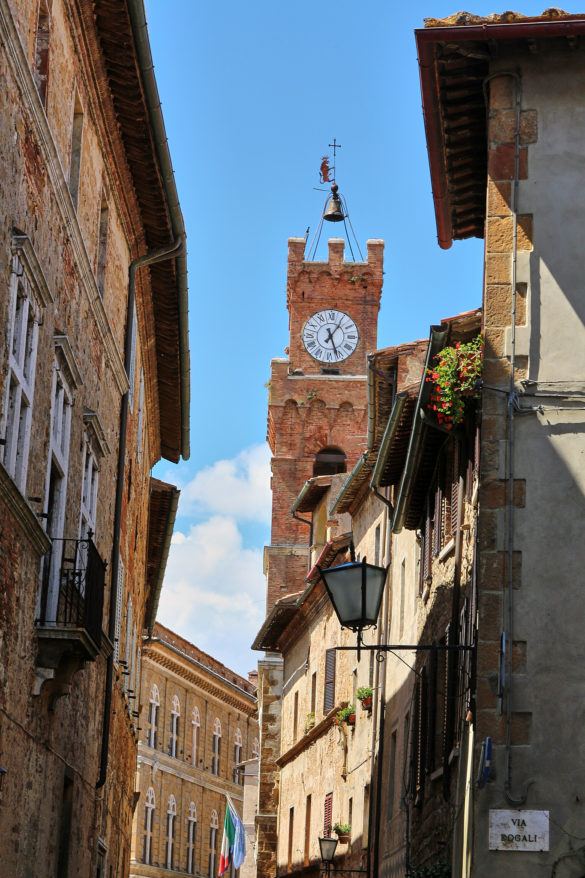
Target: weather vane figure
<point>327,173</point>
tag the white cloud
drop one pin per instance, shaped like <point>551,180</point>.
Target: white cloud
<point>214,591</point>
<point>239,487</point>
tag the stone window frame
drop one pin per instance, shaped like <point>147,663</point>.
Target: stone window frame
<point>153,709</point>
<point>27,283</point>
<point>95,449</point>
<point>215,759</point>
<point>191,838</point>
<point>41,58</point>
<point>149,808</point>
<point>238,743</point>
<point>213,828</point>
<point>256,748</point>
<point>66,380</point>
<point>195,726</point>
<point>174,726</point>
<point>170,844</point>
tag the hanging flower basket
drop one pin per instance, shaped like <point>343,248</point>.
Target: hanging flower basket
<point>454,378</point>
<point>346,715</point>
<point>364,696</point>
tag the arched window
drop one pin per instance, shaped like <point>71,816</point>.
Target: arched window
<point>329,461</point>
<point>256,747</point>
<point>195,724</point>
<point>171,815</point>
<point>175,714</point>
<point>153,707</point>
<point>148,820</point>
<point>216,746</point>
<point>191,837</point>
<point>213,826</point>
<point>237,756</point>
<point>41,62</point>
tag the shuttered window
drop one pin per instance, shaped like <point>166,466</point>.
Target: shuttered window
<point>329,691</point>
<point>327,815</point>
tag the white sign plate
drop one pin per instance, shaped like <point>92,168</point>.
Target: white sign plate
<point>519,831</point>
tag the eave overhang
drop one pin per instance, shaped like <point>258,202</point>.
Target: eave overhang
<point>163,503</point>
<point>310,494</point>
<point>453,65</point>
<point>123,37</point>
<point>394,445</point>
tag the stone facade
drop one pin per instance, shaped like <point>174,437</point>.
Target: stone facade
<point>80,429</point>
<point>197,726</point>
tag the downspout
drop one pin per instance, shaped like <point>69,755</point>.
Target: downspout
<point>141,261</point>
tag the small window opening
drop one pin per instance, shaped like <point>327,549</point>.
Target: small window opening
<point>329,461</point>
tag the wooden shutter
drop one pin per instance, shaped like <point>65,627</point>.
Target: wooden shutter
<point>327,815</point>
<point>455,486</point>
<point>329,692</point>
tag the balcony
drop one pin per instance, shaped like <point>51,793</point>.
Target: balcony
<point>69,626</point>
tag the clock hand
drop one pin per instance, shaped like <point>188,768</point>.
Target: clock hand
<point>331,340</point>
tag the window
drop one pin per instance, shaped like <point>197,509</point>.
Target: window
<point>171,815</point>
<point>127,646</point>
<point>148,821</point>
<point>75,158</point>
<point>291,826</point>
<point>213,826</point>
<point>238,776</point>
<point>329,461</point>
<point>195,725</point>
<point>23,328</point>
<point>93,449</point>
<point>256,748</point>
<point>65,380</point>
<point>216,747</point>
<point>65,825</point>
<point>191,837</point>
<point>153,707</point>
<point>366,823</point>
<point>102,248</point>
<point>377,546</point>
<point>295,716</point>
<point>327,815</point>
<point>175,714</point>
<point>313,692</point>
<point>402,598</point>
<point>131,366</point>
<point>41,62</point>
<point>118,624</point>
<point>140,414</point>
<point>329,692</point>
<point>307,831</point>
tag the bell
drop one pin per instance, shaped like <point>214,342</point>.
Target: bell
<point>334,212</point>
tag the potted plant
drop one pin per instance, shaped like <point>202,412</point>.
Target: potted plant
<point>364,696</point>
<point>342,831</point>
<point>454,376</point>
<point>346,715</point>
<point>310,721</point>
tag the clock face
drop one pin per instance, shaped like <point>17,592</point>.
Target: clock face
<point>330,336</point>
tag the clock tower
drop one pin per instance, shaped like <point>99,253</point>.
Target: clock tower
<point>317,403</point>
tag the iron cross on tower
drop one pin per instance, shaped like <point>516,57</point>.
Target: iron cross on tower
<point>335,145</point>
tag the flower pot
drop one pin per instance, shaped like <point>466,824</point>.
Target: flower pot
<point>366,702</point>
<point>351,719</point>
<point>343,837</point>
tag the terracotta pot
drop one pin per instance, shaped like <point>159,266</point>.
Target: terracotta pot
<point>343,837</point>
<point>366,702</point>
<point>351,719</point>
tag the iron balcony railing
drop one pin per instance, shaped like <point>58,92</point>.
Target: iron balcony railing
<point>73,583</point>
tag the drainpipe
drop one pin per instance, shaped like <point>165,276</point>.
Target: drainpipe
<point>141,261</point>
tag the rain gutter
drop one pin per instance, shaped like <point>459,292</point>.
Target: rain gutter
<point>144,56</point>
<point>387,438</point>
<point>436,343</point>
<point>426,41</point>
<point>360,465</point>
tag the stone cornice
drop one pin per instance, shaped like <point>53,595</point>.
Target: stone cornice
<point>187,772</point>
<point>32,105</point>
<point>23,513</point>
<point>24,250</point>
<point>204,679</point>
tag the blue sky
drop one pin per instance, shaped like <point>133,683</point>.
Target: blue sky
<point>252,95</point>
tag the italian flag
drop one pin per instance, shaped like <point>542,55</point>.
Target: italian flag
<point>233,844</point>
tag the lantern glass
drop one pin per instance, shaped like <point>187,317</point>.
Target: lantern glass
<point>327,846</point>
<point>356,592</point>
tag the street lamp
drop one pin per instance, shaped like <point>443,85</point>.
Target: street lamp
<point>355,590</point>
<point>328,846</point>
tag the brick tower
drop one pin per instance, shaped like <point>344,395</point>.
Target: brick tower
<point>317,403</point>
